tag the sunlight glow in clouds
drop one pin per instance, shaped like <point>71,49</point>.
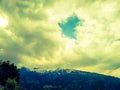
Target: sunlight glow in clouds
<point>3,22</point>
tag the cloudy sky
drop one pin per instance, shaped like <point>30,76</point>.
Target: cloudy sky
<point>52,34</point>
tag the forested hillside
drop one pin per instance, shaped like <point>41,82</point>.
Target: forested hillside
<point>67,80</point>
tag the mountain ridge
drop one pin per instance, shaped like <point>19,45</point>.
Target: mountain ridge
<point>66,79</point>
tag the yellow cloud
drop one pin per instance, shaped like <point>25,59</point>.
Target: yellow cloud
<point>33,36</point>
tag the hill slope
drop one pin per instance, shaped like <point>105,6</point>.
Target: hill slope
<point>67,80</point>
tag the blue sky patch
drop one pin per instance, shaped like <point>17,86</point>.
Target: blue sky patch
<point>68,27</point>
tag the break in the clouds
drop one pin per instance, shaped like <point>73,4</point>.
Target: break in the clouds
<point>69,26</point>
<point>51,34</point>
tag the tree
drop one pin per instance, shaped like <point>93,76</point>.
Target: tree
<point>8,70</point>
<point>1,87</point>
<point>11,84</point>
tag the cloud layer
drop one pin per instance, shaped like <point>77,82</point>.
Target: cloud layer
<point>34,38</point>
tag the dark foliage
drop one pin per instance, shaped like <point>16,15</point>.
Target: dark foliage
<point>7,71</point>
<point>67,80</point>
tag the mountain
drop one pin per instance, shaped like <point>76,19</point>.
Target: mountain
<point>67,80</point>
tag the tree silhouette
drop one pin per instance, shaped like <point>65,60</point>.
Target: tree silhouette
<point>8,70</point>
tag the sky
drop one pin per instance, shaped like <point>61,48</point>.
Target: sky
<point>61,34</point>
